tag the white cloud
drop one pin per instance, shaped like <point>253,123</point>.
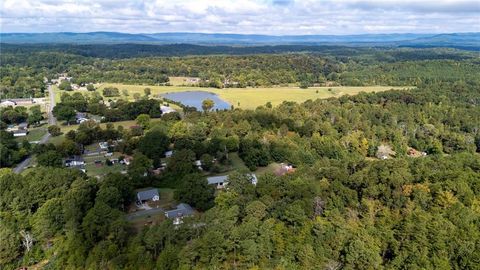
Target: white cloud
<point>241,16</point>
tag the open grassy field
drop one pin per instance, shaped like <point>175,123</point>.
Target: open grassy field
<point>250,98</point>
<point>126,124</point>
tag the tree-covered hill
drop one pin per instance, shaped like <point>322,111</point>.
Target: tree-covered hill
<point>23,69</point>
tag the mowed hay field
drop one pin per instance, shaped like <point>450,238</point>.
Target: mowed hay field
<point>251,98</point>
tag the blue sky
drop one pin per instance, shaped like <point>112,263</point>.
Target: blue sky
<point>273,17</point>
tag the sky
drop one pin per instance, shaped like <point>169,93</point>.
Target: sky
<point>271,17</point>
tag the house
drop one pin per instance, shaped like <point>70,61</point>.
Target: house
<point>222,180</point>
<point>150,194</point>
<point>20,133</point>
<point>23,125</point>
<point>126,160</point>
<point>182,210</point>
<point>166,109</point>
<point>284,169</point>
<point>81,117</point>
<point>11,128</point>
<point>7,103</point>
<point>198,163</point>
<point>103,145</point>
<point>168,154</point>
<point>219,181</point>
<point>74,161</point>
<point>192,80</point>
<point>253,178</point>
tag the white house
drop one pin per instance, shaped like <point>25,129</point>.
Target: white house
<point>166,109</point>
<point>168,154</point>
<point>7,103</point>
<point>74,161</point>
<point>219,181</point>
<point>198,163</point>
<point>103,145</point>
<point>222,180</point>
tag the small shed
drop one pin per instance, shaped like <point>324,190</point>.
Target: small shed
<point>168,154</point>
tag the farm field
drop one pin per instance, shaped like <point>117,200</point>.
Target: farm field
<point>251,98</point>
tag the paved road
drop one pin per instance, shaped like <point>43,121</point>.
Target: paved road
<point>51,121</point>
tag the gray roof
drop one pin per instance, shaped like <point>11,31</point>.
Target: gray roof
<point>81,115</point>
<point>23,125</point>
<point>148,194</point>
<point>76,158</point>
<point>182,210</point>
<point>217,179</point>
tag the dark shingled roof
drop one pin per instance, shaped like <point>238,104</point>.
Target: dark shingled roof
<point>147,194</point>
<point>182,210</point>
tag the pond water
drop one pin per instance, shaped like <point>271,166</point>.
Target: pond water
<point>195,99</point>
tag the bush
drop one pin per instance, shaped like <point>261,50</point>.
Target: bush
<point>54,130</point>
<point>111,92</point>
<point>65,85</point>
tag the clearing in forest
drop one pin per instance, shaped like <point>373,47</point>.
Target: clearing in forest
<point>251,98</point>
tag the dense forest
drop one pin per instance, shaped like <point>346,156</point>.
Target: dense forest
<point>342,208</point>
<point>23,68</point>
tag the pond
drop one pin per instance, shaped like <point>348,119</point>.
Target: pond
<point>195,99</point>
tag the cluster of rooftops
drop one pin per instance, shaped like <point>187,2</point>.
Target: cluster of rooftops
<point>184,209</point>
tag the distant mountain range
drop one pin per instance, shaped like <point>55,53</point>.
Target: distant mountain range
<point>455,40</point>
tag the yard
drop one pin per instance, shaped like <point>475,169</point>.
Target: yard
<point>34,134</point>
<point>141,218</point>
<point>101,169</point>
<point>126,124</point>
<point>271,168</point>
<point>250,98</point>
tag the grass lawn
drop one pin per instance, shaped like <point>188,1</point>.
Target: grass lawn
<point>34,134</point>
<point>94,170</point>
<point>176,81</point>
<point>57,140</point>
<point>271,168</point>
<point>146,221</point>
<point>237,162</point>
<point>250,98</point>
<point>126,124</point>
<point>166,198</point>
